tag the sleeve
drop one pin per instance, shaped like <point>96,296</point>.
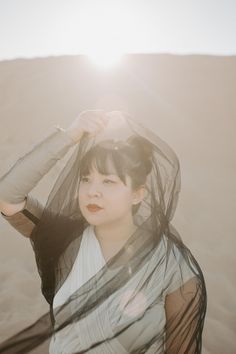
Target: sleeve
<point>185,313</point>
<point>185,304</point>
<point>29,169</point>
<point>24,221</point>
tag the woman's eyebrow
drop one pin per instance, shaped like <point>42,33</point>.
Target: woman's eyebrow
<point>110,174</point>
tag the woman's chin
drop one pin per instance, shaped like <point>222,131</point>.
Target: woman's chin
<point>94,219</point>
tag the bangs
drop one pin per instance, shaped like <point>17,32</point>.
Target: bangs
<point>105,161</point>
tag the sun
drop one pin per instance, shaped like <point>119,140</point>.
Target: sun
<point>105,58</point>
<point>107,52</point>
<point>105,31</point>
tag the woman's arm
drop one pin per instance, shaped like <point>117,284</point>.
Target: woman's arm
<point>25,174</point>
<point>28,170</point>
<point>19,208</point>
<point>184,322</point>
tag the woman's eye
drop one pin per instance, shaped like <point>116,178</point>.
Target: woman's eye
<point>84,179</point>
<point>108,181</point>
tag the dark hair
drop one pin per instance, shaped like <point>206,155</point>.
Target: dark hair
<point>132,157</point>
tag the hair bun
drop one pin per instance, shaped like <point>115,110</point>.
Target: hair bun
<point>144,148</point>
<point>142,144</point>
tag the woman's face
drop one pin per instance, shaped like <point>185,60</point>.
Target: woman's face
<point>108,192</point>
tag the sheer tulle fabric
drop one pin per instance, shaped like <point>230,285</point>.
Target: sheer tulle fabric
<point>121,305</point>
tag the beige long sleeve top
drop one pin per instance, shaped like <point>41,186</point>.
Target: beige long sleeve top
<point>25,174</point>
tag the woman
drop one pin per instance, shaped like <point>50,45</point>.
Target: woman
<point>114,270</point>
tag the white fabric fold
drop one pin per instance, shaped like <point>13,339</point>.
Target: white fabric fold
<point>114,311</point>
<point>88,262</point>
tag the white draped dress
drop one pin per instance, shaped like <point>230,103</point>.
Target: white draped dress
<point>100,323</point>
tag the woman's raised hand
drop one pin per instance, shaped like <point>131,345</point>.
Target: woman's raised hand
<point>91,122</point>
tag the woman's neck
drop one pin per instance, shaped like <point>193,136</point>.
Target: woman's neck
<point>112,238</point>
<point>115,233</point>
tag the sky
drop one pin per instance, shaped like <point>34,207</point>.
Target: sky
<point>42,28</point>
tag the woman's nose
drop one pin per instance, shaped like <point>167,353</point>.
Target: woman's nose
<point>94,190</point>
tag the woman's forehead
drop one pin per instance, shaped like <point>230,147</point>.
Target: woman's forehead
<point>110,170</point>
<point>110,167</point>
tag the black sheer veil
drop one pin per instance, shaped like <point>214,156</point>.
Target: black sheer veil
<point>132,287</point>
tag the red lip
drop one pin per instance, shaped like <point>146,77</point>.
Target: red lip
<point>93,207</point>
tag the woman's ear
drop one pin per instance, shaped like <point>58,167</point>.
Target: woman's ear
<point>139,194</point>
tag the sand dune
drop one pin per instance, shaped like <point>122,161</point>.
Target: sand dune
<point>190,102</point>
